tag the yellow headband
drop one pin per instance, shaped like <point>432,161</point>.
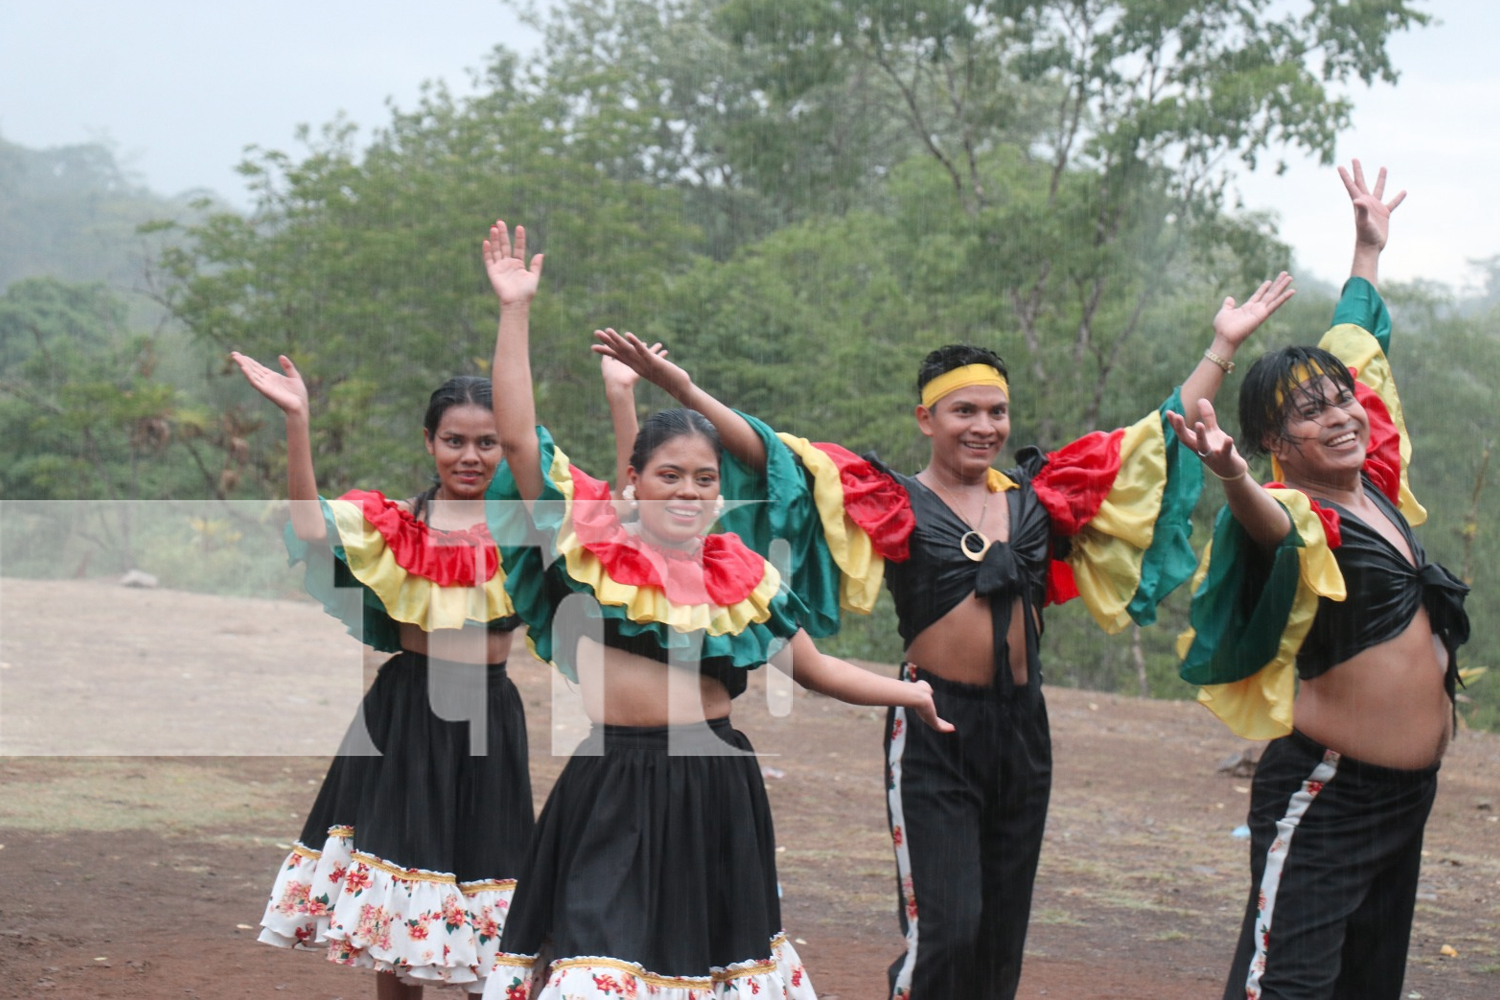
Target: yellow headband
<point>962,378</point>
<point>1304,372</point>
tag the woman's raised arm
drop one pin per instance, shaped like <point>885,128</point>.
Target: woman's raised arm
<point>289,392</point>
<point>739,438</point>
<point>515,283</point>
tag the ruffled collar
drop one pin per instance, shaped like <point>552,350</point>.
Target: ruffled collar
<point>722,571</point>
<point>444,557</point>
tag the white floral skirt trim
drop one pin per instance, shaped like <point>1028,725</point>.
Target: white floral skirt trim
<point>594,978</point>
<point>426,927</point>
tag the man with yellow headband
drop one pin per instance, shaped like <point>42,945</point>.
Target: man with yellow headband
<point>1104,518</point>
<point>971,555</point>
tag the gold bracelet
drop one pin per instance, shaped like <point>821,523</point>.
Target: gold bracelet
<point>1229,479</point>
<point>1223,363</point>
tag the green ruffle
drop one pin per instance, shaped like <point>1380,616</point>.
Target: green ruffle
<point>330,581</point>
<point>1241,608</point>
<point>785,528</point>
<point>538,582</point>
<point>1169,561</point>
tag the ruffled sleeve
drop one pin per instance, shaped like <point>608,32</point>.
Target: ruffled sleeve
<point>1252,610</point>
<point>382,568</point>
<point>723,602</point>
<point>1361,337</point>
<point>1124,500</point>
<point>836,520</point>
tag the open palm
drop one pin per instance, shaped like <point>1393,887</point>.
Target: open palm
<point>287,391</point>
<point>505,263</point>
<point>1236,322</point>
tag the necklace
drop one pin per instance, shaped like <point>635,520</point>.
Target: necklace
<point>979,538</point>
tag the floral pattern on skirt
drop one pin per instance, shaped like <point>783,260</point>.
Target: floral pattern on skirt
<point>424,926</point>
<point>779,977</point>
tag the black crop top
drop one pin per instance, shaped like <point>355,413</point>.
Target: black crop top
<point>1383,591</point>
<point>719,668</point>
<point>937,575</point>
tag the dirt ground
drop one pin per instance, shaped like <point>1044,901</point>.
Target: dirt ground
<point>128,876</point>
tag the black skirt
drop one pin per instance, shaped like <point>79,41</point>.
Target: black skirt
<point>408,860</point>
<point>653,869</point>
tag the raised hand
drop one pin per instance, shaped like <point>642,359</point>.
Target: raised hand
<point>617,374</point>
<point>1372,216</point>
<point>1236,322</point>
<point>513,279</point>
<point>287,391</point>
<point>649,363</point>
<point>1214,446</point>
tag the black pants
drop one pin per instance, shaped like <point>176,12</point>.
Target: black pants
<point>1335,848</point>
<point>967,810</point>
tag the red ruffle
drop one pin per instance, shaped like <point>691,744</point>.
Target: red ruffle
<point>723,571</point>
<point>1077,478</point>
<point>874,501</point>
<point>1383,455</point>
<point>1061,587</point>
<point>444,557</point>
<point>1332,531</point>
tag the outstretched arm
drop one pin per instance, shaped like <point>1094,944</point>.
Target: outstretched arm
<point>515,284</point>
<point>739,438</point>
<point>1372,220</point>
<point>1232,327</point>
<point>1262,517</point>
<point>289,392</point>
<point>843,680</point>
<point>619,390</point>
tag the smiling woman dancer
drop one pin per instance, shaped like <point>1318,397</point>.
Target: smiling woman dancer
<point>409,857</point>
<point>1321,571</point>
<point>653,869</point>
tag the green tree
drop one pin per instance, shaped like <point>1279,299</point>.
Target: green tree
<point>1091,142</point>
<point>361,263</point>
<point>85,413</point>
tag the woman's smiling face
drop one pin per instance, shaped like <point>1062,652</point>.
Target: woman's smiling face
<point>677,489</point>
<point>466,451</point>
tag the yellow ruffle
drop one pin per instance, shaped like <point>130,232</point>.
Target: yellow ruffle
<point>1260,706</point>
<point>861,568</point>
<point>1106,555</point>
<point>650,604</point>
<point>407,597</point>
<point>999,482</point>
<point>1358,348</point>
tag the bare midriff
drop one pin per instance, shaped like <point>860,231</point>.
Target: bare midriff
<point>623,689</point>
<point>960,646</point>
<point>475,644</point>
<point>1386,705</point>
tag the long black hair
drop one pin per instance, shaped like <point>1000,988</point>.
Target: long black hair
<point>1274,385</point>
<point>460,390</point>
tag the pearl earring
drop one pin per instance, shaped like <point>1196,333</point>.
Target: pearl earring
<point>629,494</point>
<point>718,505</point>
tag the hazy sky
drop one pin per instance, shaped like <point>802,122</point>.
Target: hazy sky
<point>182,86</point>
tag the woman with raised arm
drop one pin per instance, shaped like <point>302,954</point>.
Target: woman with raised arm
<point>653,869</point>
<point>410,856</point>
<point>1318,620</point>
